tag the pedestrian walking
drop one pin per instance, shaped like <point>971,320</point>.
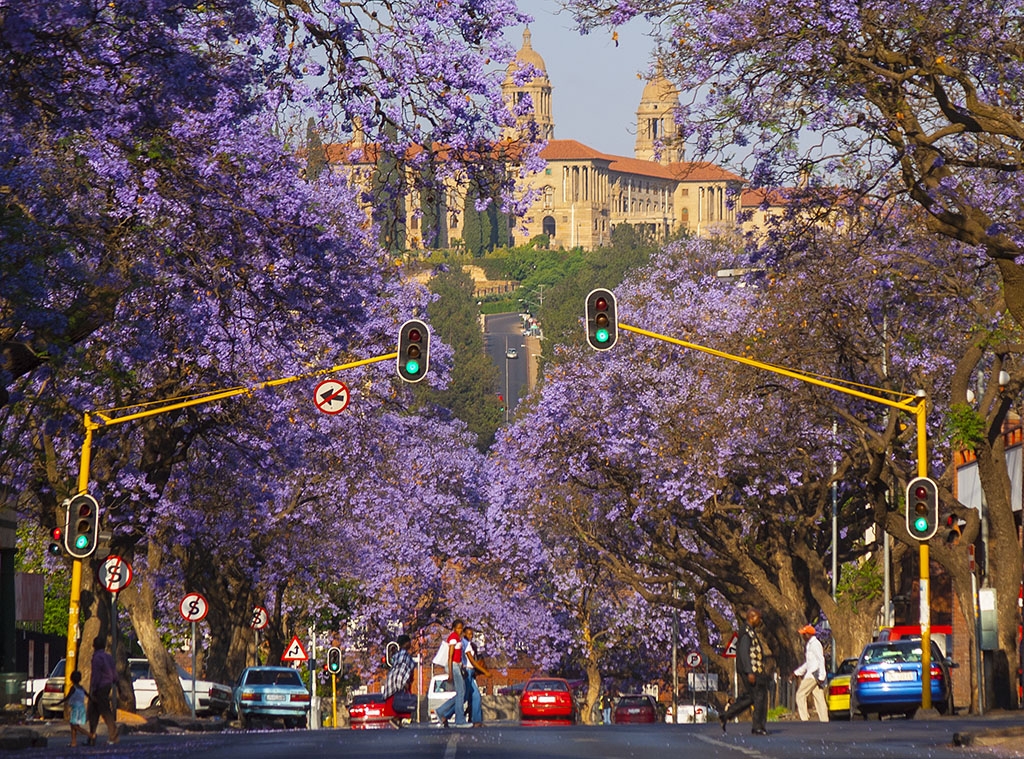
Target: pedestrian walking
<point>75,698</point>
<point>474,668</point>
<point>400,674</point>
<point>812,675</point>
<point>455,706</point>
<point>103,681</point>
<point>750,670</point>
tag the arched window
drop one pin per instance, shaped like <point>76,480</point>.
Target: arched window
<point>548,226</point>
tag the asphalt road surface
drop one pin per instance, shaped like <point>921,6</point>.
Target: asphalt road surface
<point>505,331</point>
<point>887,739</point>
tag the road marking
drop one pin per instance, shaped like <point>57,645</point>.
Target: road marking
<point>753,752</point>
<point>449,752</point>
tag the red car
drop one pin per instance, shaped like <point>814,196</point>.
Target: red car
<point>547,699</point>
<point>635,708</point>
<point>369,711</point>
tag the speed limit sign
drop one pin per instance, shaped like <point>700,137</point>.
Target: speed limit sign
<point>194,607</point>
<point>694,659</point>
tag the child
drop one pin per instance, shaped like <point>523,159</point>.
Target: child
<point>76,699</point>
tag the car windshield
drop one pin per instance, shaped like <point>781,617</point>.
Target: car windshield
<point>634,701</point>
<point>274,677</point>
<point>368,698</point>
<point>847,667</point>
<point>546,685</point>
<point>895,653</point>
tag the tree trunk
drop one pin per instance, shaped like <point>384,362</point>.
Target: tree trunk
<point>138,600</point>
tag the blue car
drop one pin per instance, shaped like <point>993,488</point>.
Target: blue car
<point>270,693</point>
<point>888,680</point>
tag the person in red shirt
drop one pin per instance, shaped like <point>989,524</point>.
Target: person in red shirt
<point>456,705</point>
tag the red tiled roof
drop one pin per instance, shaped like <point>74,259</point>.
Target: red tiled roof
<point>753,198</point>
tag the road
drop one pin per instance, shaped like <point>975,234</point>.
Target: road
<point>888,739</point>
<point>505,331</point>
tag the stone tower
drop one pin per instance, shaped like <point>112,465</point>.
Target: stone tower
<point>538,88</point>
<point>655,122</point>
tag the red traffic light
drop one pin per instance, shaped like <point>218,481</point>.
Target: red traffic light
<point>920,492</point>
<point>414,335</point>
<point>601,304</point>
<point>57,533</point>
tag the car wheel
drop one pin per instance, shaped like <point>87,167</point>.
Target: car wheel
<point>38,707</point>
<point>243,722</point>
<point>909,714</point>
<point>946,707</point>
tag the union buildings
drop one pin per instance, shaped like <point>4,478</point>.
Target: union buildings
<point>583,193</point>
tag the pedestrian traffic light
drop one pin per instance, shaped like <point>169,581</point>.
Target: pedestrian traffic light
<point>82,526</point>
<point>413,350</point>
<point>56,535</point>
<point>602,321</point>
<point>334,660</point>
<point>922,508</point>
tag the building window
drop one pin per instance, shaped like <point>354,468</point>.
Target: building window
<point>548,226</point>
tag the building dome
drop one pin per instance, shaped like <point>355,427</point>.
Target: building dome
<point>659,90</point>
<point>528,56</point>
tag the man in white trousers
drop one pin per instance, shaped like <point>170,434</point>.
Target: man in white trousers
<point>813,675</point>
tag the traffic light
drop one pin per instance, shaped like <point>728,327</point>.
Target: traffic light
<point>334,660</point>
<point>952,530</point>
<point>413,350</point>
<point>501,402</point>
<point>390,651</point>
<point>922,508</point>
<point>56,535</point>
<point>82,526</point>
<point>602,321</point>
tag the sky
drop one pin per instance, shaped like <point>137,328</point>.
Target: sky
<point>595,85</point>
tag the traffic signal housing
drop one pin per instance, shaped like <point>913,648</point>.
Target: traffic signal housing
<point>952,530</point>
<point>413,350</point>
<point>922,508</point>
<point>602,319</point>
<point>56,536</point>
<point>82,526</point>
<point>334,660</point>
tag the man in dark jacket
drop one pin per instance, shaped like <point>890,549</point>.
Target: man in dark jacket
<point>751,673</point>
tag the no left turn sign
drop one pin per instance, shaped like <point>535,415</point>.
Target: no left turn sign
<point>331,396</point>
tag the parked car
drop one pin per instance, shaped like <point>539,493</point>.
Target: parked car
<point>837,694</point>
<point>211,698</point>
<point>693,713</point>
<point>271,692</point>
<point>440,691</point>
<point>51,692</point>
<point>547,699</point>
<point>887,680</point>
<point>634,708</point>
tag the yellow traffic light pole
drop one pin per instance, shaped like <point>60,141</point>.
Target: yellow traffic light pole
<point>913,404</point>
<point>95,420</point>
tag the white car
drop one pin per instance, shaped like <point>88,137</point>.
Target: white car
<point>440,691</point>
<point>511,353</point>
<point>690,713</point>
<point>35,688</point>
<point>211,698</point>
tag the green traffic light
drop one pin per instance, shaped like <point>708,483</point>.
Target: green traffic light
<point>921,524</point>
<point>412,366</point>
<point>601,335</point>
<point>82,542</point>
